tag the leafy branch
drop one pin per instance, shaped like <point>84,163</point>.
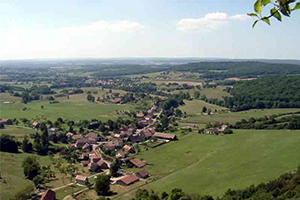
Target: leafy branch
<point>280,7</point>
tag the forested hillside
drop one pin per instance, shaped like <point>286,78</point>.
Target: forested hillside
<point>238,69</point>
<point>267,92</point>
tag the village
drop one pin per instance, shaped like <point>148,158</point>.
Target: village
<point>97,152</point>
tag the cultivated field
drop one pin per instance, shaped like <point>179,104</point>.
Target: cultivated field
<point>217,163</point>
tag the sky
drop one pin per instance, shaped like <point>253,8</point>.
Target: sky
<point>42,29</point>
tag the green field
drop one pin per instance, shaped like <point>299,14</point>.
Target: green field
<point>66,110</point>
<point>212,164</point>
<point>18,132</point>
<point>216,93</point>
<point>13,179</point>
<point>194,109</point>
<point>6,97</point>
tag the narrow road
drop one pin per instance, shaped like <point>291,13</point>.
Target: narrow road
<point>61,187</point>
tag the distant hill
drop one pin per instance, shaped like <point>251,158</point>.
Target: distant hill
<point>227,69</point>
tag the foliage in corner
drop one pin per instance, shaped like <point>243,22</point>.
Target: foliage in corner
<point>280,7</point>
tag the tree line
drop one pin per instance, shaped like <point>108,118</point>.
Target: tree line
<point>265,92</point>
<point>222,70</point>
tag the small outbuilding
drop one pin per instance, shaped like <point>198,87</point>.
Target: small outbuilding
<point>143,174</point>
<point>165,136</point>
<point>83,180</point>
<point>48,195</point>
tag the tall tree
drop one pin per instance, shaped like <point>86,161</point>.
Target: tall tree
<point>102,186</point>
<point>31,167</point>
<point>26,145</point>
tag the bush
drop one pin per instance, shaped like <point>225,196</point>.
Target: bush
<point>8,144</point>
<point>31,167</point>
<point>102,186</point>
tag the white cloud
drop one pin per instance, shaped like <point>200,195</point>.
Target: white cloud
<point>210,21</point>
<point>240,17</point>
<point>93,39</point>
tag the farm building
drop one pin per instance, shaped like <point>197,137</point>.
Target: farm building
<point>165,136</point>
<point>76,137</point>
<point>81,142</point>
<point>84,163</point>
<point>6,121</point>
<point>69,134</point>
<point>140,115</point>
<point>95,158</point>
<point>128,149</point>
<point>35,124</point>
<point>127,180</point>
<point>48,195</point>
<point>93,137</point>
<point>102,164</point>
<point>83,180</point>
<point>137,163</point>
<point>143,174</point>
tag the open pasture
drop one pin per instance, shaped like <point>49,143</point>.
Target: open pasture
<point>66,110</point>
<point>194,109</point>
<point>215,93</point>
<point>16,131</point>
<point>217,163</point>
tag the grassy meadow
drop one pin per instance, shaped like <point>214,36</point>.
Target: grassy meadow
<point>16,131</point>
<point>217,163</point>
<point>194,109</point>
<point>215,93</point>
<point>74,109</point>
<point>13,179</point>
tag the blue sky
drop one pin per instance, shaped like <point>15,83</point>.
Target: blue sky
<point>142,28</point>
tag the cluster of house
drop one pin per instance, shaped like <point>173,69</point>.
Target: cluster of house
<point>51,130</point>
<point>126,180</point>
<point>216,128</point>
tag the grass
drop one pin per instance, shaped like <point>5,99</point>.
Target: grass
<point>6,97</point>
<point>194,109</point>
<point>232,118</point>
<point>216,93</point>
<point>66,110</point>
<point>13,179</point>
<point>18,132</point>
<point>60,194</point>
<point>212,164</point>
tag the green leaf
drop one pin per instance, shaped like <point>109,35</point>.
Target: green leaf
<point>266,2</point>
<point>267,20</point>
<point>297,6</point>
<point>284,11</point>
<point>276,14</point>
<point>284,8</point>
<point>254,23</point>
<point>257,6</point>
<point>252,14</point>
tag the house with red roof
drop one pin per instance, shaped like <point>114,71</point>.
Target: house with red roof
<point>143,174</point>
<point>83,180</point>
<point>127,180</point>
<point>48,195</point>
